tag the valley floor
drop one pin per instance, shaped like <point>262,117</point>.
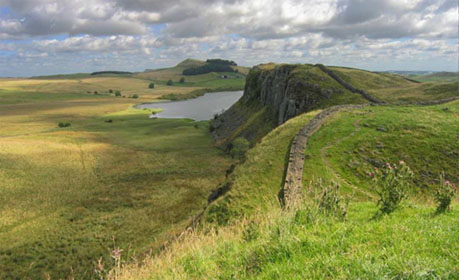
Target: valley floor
<point>114,178</point>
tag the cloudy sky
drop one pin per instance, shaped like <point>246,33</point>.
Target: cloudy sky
<point>66,36</point>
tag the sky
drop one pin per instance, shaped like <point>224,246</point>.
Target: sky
<point>40,37</point>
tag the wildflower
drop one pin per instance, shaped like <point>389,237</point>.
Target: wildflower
<point>116,253</point>
<point>401,162</point>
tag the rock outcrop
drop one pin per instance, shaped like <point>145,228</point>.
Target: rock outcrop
<point>273,96</point>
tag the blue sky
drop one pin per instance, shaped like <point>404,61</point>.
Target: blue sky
<point>39,37</point>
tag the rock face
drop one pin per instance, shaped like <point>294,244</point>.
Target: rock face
<point>271,97</point>
<point>286,94</point>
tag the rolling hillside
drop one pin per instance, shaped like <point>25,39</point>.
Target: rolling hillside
<point>275,93</point>
<point>245,234</point>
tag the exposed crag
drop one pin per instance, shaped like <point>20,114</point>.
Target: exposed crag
<point>275,93</point>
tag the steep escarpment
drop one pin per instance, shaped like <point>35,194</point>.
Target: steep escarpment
<point>276,93</point>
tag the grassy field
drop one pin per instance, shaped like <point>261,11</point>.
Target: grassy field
<point>245,235</point>
<point>410,244</point>
<point>426,138</point>
<point>394,88</point>
<point>113,178</point>
<point>116,179</point>
<point>449,77</point>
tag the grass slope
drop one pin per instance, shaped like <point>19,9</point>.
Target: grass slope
<point>246,236</point>
<point>257,182</point>
<point>410,244</point>
<point>394,88</point>
<point>437,77</point>
<point>426,138</point>
<point>69,196</point>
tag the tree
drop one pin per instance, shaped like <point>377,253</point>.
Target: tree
<point>110,91</point>
<point>169,82</point>
<point>182,80</point>
<point>151,85</point>
<point>117,93</point>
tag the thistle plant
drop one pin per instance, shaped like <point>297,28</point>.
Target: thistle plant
<point>444,193</point>
<point>392,182</point>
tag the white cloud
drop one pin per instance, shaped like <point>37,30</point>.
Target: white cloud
<point>248,31</point>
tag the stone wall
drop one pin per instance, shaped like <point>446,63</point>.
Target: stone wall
<point>292,188</point>
<point>348,86</point>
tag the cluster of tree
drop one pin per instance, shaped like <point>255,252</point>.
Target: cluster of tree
<point>207,68</point>
<point>111,72</point>
<point>221,61</point>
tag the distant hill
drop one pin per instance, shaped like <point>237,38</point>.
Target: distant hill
<point>176,73</point>
<point>111,73</point>
<point>436,77</point>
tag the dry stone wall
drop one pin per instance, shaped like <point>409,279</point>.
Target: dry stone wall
<point>293,181</point>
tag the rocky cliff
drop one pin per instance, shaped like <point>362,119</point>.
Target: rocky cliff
<point>275,93</point>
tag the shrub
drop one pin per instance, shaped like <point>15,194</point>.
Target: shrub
<point>169,82</point>
<point>239,147</point>
<point>151,85</point>
<point>135,96</point>
<point>64,124</point>
<point>110,91</point>
<point>182,80</point>
<point>117,93</point>
<point>444,194</point>
<point>392,182</point>
<point>95,92</point>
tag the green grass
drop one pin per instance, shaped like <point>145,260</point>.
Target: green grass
<point>69,196</point>
<point>351,143</point>
<point>410,244</point>
<point>450,77</point>
<point>245,235</point>
<point>257,182</point>
<point>394,88</point>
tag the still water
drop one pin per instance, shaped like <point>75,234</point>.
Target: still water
<point>199,109</point>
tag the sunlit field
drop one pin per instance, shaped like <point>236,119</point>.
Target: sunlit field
<point>112,179</point>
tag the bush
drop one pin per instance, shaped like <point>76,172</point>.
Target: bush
<point>169,82</point>
<point>117,93</point>
<point>239,147</point>
<point>95,92</point>
<point>64,124</point>
<point>444,194</point>
<point>151,85</point>
<point>110,91</point>
<point>135,96</point>
<point>182,80</point>
<point>392,182</point>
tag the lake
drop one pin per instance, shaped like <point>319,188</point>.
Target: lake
<point>199,109</point>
